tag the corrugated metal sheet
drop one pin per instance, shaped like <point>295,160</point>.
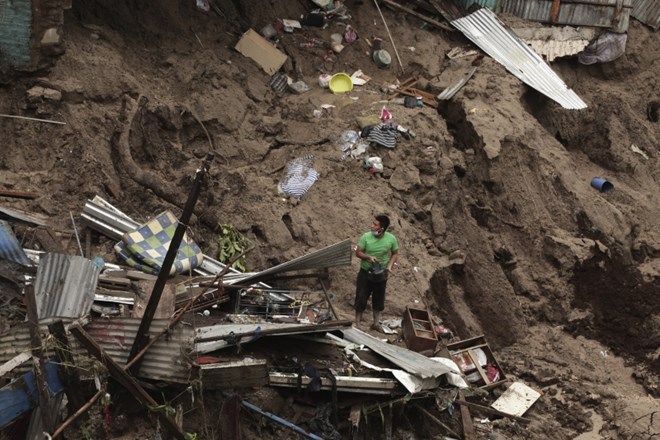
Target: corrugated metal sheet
<point>10,248</point>
<point>412,362</point>
<point>611,14</point>
<point>648,12</point>
<point>15,31</point>
<point>338,254</point>
<point>489,33</point>
<point>65,286</point>
<point>165,360</point>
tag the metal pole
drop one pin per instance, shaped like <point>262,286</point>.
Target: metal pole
<point>75,231</point>
<point>281,421</point>
<point>142,336</point>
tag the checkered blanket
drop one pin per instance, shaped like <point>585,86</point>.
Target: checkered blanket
<point>145,248</point>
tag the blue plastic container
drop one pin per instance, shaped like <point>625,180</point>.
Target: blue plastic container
<point>602,184</point>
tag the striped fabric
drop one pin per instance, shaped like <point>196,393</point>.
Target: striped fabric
<point>384,135</point>
<point>145,247</point>
<point>299,177</point>
<point>10,248</point>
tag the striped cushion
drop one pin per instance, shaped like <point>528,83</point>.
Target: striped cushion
<point>299,177</point>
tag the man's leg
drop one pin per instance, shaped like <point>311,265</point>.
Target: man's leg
<point>378,304</point>
<point>362,294</point>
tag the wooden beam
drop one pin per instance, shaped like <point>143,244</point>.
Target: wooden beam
<point>18,194</point>
<point>69,374</point>
<point>435,419</point>
<point>240,374</point>
<point>489,410</point>
<point>468,427</point>
<point>38,360</point>
<point>126,380</point>
<point>142,336</point>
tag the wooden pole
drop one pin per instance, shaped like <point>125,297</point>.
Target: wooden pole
<point>396,52</point>
<point>38,359</point>
<point>142,336</point>
<point>468,427</point>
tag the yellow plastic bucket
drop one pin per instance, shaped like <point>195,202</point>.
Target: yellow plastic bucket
<point>340,83</point>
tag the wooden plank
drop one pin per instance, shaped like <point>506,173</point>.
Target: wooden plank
<point>49,241</point>
<point>468,427</point>
<point>15,362</point>
<point>475,361</point>
<point>18,194</point>
<point>245,373</point>
<point>487,410</point>
<point>127,381</point>
<point>164,308</point>
<point>39,363</point>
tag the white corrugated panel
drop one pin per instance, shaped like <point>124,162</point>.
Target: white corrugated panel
<point>489,33</point>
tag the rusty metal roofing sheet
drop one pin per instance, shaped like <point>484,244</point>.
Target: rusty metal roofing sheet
<point>165,360</point>
<point>10,248</point>
<point>648,12</point>
<point>338,254</point>
<point>489,33</point>
<point>65,286</point>
<point>611,14</point>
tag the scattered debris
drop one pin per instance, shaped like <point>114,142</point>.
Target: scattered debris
<point>256,47</point>
<point>602,184</point>
<point>493,37</point>
<point>635,149</point>
<point>450,91</point>
<point>298,177</point>
<point>517,399</point>
<point>606,48</point>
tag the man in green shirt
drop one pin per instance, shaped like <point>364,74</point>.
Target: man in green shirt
<point>375,246</point>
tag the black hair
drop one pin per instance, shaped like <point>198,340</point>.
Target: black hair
<point>384,221</point>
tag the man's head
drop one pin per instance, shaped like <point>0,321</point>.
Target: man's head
<point>380,224</point>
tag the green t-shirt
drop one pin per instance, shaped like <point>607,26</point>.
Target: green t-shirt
<point>381,248</point>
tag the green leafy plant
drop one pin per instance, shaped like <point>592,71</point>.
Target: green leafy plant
<point>232,243</point>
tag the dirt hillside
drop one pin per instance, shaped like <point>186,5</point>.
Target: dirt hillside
<point>500,230</point>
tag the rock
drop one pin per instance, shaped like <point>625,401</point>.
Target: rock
<point>565,251</point>
<point>545,376</point>
<point>457,257</point>
<point>72,90</point>
<point>405,177</point>
<point>438,223</point>
<point>35,94</point>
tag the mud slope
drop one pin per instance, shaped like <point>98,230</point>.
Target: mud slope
<point>500,229</point>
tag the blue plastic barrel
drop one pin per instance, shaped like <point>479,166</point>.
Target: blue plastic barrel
<point>602,184</point>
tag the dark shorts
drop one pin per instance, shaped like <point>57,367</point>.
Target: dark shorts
<point>365,288</point>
